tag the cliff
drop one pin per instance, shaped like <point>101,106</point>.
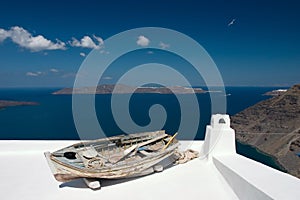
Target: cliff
<point>275,92</point>
<point>273,126</point>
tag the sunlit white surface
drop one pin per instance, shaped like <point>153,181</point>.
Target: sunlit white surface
<point>220,173</point>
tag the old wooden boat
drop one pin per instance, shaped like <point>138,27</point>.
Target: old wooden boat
<point>115,157</point>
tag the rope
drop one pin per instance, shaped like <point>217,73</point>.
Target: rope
<point>185,156</point>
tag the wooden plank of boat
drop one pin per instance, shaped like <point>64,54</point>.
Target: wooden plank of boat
<point>136,146</point>
<point>82,160</point>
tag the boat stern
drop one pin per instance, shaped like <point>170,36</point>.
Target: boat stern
<point>59,173</point>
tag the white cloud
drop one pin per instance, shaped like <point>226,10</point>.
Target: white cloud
<point>164,45</point>
<point>3,34</point>
<point>32,74</point>
<point>24,39</point>
<point>142,41</point>
<point>54,70</point>
<point>38,73</point>
<point>99,40</point>
<point>87,42</point>
<point>82,54</point>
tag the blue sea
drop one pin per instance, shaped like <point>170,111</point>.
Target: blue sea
<point>52,119</point>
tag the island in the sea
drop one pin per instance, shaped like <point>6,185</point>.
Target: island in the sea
<point>273,127</point>
<point>5,103</point>
<point>125,89</point>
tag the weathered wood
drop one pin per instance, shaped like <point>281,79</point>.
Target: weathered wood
<point>135,147</point>
<point>112,158</point>
<point>158,168</point>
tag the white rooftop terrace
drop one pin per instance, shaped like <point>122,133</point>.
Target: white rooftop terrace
<point>219,173</point>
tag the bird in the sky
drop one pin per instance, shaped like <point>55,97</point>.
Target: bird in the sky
<point>232,22</point>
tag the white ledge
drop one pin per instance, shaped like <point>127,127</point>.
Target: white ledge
<point>253,180</point>
<point>219,173</point>
<point>25,175</point>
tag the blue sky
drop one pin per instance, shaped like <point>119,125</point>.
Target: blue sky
<point>41,42</point>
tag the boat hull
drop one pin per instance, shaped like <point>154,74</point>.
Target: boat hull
<point>112,158</point>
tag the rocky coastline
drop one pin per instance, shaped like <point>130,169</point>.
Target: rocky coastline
<point>273,127</point>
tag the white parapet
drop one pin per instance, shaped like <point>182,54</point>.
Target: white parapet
<point>247,178</point>
<point>219,137</point>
